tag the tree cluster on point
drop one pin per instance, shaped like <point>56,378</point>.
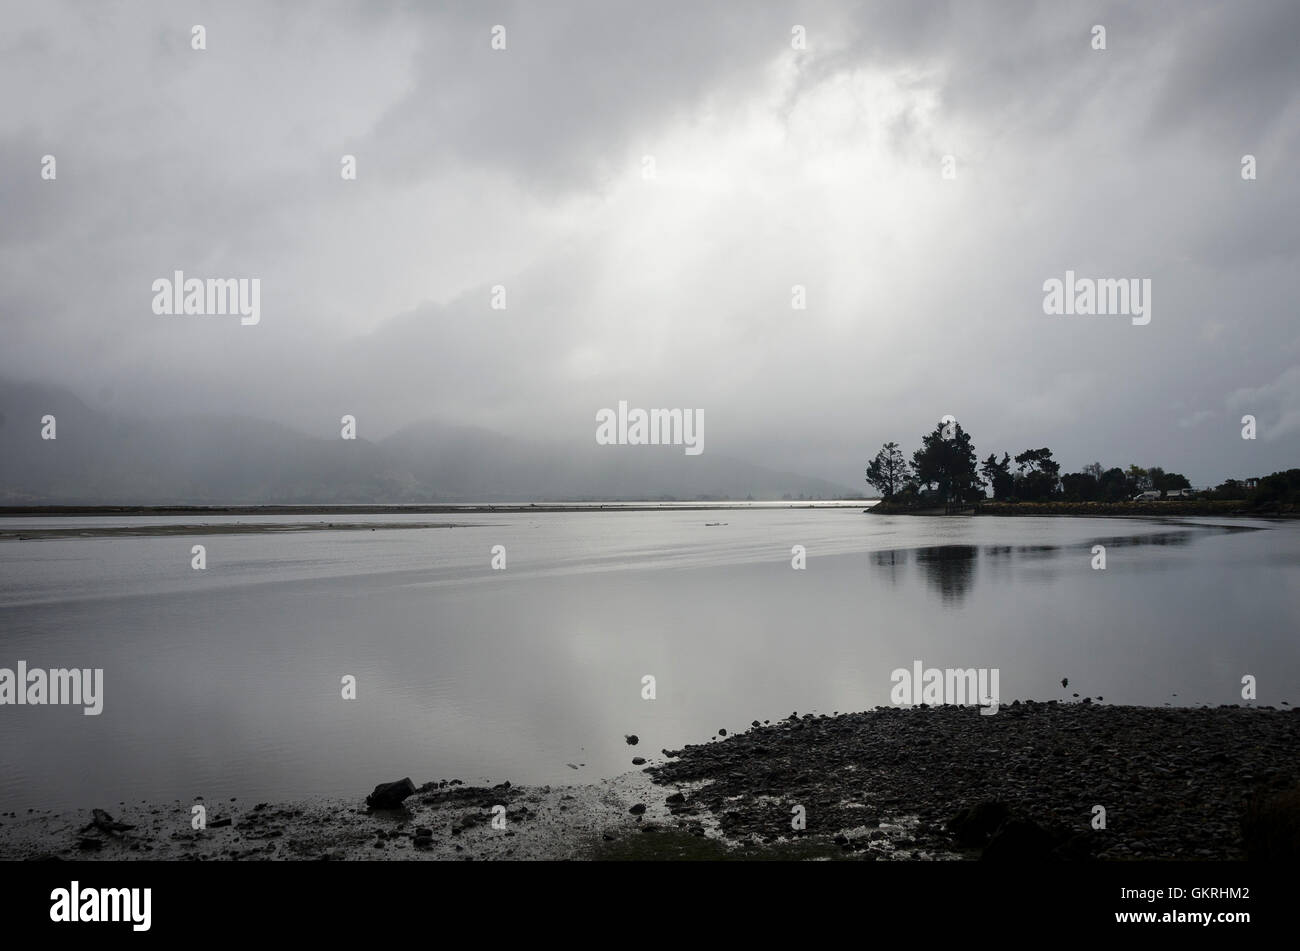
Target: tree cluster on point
<point>945,471</point>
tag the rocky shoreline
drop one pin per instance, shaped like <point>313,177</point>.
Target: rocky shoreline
<point>891,783</point>
<point>1202,783</point>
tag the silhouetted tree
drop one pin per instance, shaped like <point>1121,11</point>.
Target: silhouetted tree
<point>1164,481</point>
<point>998,475</point>
<point>1112,486</point>
<point>1230,489</point>
<point>1080,487</point>
<point>1037,474</point>
<point>888,472</point>
<point>1277,490</point>
<point>948,463</point>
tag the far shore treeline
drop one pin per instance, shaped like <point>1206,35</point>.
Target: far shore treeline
<point>946,471</point>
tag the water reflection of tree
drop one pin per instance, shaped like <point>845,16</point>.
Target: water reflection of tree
<point>1157,538</point>
<point>892,562</point>
<point>949,569</point>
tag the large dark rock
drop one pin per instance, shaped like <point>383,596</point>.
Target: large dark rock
<point>102,821</point>
<point>975,825</point>
<point>390,795</point>
<point>1020,840</point>
<point>1076,848</point>
<point>1271,827</point>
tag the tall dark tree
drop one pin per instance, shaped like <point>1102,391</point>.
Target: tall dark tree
<point>1164,481</point>
<point>1036,474</point>
<point>1112,486</point>
<point>888,471</point>
<point>1079,487</point>
<point>998,475</point>
<point>946,460</point>
<point>1230,489</point>
<point>1276,490</point>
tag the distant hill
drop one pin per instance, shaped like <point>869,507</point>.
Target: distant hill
<point>108,458</point>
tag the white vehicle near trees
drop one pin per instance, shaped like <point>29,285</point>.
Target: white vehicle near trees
<point>1155,495</point>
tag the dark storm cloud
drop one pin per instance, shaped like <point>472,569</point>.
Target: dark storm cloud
<point>776,167</point>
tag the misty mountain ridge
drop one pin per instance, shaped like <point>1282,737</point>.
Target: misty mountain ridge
<point>110,458</point>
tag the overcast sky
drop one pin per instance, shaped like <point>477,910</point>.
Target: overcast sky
<point>774,166</point>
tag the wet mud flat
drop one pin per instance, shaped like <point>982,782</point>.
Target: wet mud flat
<point>929,783</point>
<point>447,821</point>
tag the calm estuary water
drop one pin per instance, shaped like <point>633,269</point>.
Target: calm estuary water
<point>226,682</point>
